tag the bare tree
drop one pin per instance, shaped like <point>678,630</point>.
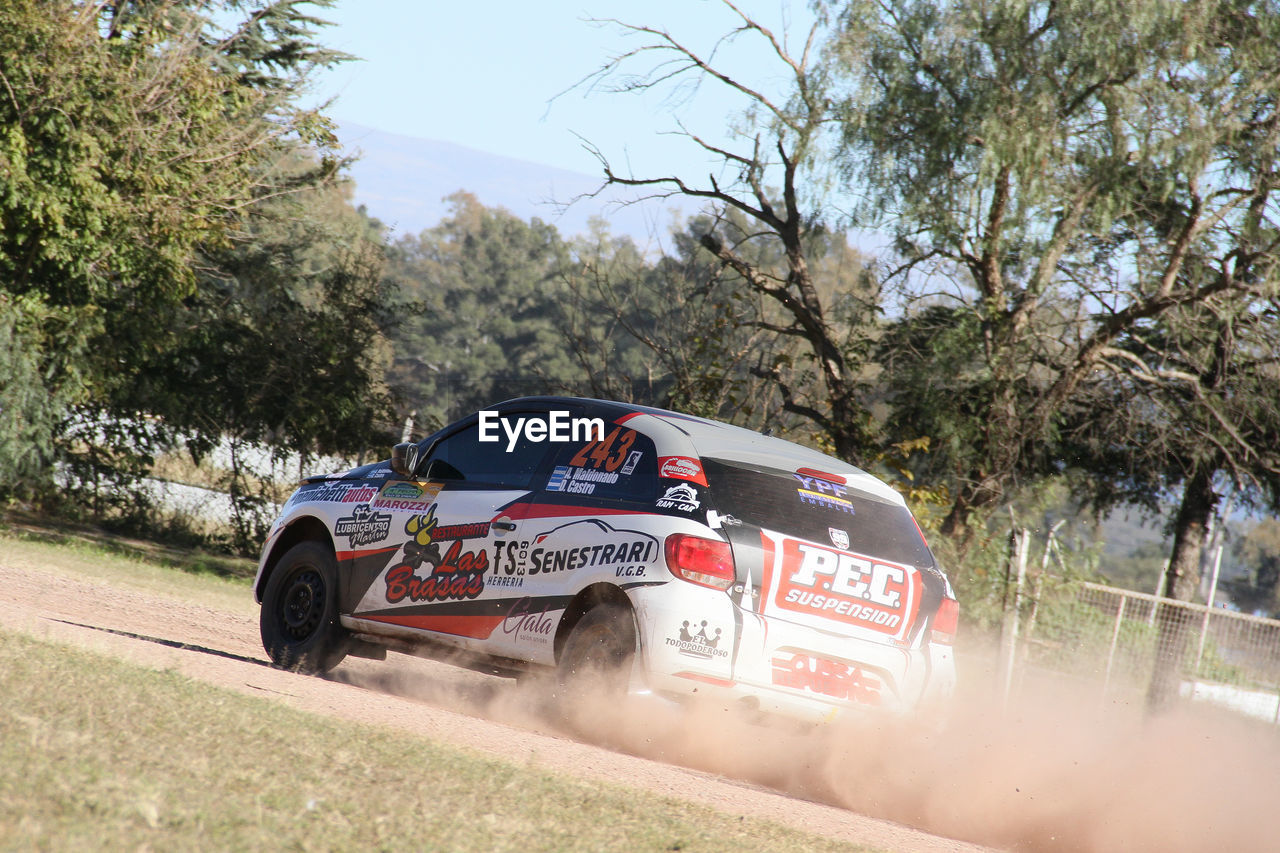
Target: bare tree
<point>763,178</point>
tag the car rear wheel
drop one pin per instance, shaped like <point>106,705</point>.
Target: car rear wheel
<point>598,654</point>
<point>299,619</point>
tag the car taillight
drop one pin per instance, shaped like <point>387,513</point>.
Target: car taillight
<point>945,622</point>
<point>708,562</point>
<point>822,475</point>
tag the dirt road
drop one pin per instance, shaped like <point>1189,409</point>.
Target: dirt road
<point>434,700</point>
<point>1057,772</point>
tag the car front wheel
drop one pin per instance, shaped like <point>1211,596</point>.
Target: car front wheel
<point>299,619</point>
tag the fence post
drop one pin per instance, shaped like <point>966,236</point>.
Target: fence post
<point>1213,593</point>
<point>1009,628</point>
<point>1115,638</point>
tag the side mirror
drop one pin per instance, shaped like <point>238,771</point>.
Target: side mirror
<point>404,458</point>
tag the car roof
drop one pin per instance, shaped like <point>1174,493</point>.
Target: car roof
<point>716,440</point>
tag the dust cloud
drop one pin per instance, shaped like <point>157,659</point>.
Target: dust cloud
<point>1055,770</point>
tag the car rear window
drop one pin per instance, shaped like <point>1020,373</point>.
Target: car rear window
<point>819,510</point>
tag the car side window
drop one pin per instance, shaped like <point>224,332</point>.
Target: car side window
<point>463,457</point>
<point>621,466</point>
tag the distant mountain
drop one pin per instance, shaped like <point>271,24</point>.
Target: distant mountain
<point>403,182</point>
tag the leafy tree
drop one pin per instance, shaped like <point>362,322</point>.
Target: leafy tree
<point>1050,171</point>
<point>283,346</point>
<point>622,316</point>
<point>483,288</point>
<point>1258,550</point>
<point>136,135</point>
<point>674,331</point>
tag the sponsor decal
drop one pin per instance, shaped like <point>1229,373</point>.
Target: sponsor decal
<point>458,575</point>
<point>818,492</point>
<point>555,426</point>
<point>555,483</point>
<point>414,497</point>
<point>826,677</point>
<point>698,642</point>
<point>402,490</point>
<point>364,526</point>
<point>633,459</point>
<point>608,454</point>
<point>846,587</point>
<point>681,497</point>
<point>509,562</point>
<point>839,538</point>
<point>627,552</point>
<point>469,530</point>
<point>328,492</point>
<point>682,468</point>
<point>513,582</point>
<point>579,481</point>
<point>524,624</point>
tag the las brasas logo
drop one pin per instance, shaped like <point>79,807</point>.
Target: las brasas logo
<point>555,426</point>
<point>457,575</point>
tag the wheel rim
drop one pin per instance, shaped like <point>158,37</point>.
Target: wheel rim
<point>597,658</point>
<point>302,605</point>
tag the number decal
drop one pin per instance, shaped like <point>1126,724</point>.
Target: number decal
<point>601,451</point>
<point>603,455</point>
<point>619,456</point>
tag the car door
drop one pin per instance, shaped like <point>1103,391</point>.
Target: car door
<point>455,573</point>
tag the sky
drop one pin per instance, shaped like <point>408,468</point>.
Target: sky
<point>499,77</point>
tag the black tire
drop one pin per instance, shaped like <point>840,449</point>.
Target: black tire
<point>598,653</point>
<point>299,619</point>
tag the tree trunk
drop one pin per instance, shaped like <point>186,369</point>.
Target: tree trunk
<point>1181,580</point>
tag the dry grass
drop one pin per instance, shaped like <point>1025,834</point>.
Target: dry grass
<point>214,580</point>
<point>96,753</point>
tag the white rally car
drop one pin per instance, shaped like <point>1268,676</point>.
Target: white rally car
<point>668,553</point>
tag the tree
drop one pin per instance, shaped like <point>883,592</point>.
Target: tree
<point>763,181</point>
<point>483,288</point>
<point>1258,550</point>
<point>1056,168</point>
<point>283,347</point>
<point>136,135</point>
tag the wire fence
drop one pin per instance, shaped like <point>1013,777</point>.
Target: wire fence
<point>1117,642</point>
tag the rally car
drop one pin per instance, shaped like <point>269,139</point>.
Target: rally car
<point>660,552</point>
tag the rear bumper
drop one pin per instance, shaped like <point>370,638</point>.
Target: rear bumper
<point>697,642</point>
